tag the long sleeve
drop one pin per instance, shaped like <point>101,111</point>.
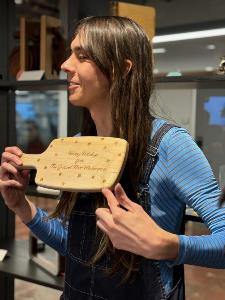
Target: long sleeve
<point>193,182</point>
<point>50,231</point>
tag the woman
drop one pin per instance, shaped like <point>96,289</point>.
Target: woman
<point>138,249</point>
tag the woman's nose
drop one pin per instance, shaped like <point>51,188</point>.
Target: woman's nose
<point>64,66</point>
<point>67,65</point>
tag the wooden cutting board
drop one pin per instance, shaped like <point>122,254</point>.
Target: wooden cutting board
<point>84,164</point>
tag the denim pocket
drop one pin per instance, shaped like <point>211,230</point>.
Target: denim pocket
<point>80,281</point>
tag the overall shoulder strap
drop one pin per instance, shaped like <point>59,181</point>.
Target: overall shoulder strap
<point>151,155</point>
<point>152,151</point>
<point>148,165</point>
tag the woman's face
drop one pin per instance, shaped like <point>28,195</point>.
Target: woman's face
<point>88,86</point>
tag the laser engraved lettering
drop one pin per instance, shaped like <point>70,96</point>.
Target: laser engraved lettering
<point>83,153</point>
<point>60,167</point>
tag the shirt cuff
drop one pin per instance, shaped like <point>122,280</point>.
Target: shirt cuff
<point>37,219</point>
<point>183,240</point>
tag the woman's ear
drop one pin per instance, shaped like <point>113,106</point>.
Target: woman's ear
<point>128,67</point>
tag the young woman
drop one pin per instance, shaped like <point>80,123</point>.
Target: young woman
<point>126,243</point>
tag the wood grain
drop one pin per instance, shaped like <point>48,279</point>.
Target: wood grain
<point>79,163</point>
<point>143,14</point>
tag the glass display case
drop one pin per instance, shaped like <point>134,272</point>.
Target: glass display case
<point>41,116</point>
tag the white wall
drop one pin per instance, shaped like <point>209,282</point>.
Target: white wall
<point>179,105</point>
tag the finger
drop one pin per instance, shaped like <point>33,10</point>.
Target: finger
<point>102,226</point>
<point>105,218</point>
<point>10,184</point>
<point>14,150</point>
<point>122,197</point>
<point>7,172</point>
<point>103,213</point>
<point>8,168</point>
<point>111,199</point>
<point>10,157</point>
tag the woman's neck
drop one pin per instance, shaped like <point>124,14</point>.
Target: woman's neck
<point>103,122</point>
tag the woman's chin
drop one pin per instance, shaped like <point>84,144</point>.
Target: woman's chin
<point>76,102</point>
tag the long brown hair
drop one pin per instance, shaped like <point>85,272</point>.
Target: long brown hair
<point>222,198</point>
<point>109,41</point>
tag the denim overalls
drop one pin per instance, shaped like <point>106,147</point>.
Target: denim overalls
<point>84,281</point>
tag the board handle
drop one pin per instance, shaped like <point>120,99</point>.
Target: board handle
<point>30,161</point>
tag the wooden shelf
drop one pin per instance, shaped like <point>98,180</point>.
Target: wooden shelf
<point>58,84</point>
<point>34,190</point>
<point>18,265</point>
<point>190,81</point>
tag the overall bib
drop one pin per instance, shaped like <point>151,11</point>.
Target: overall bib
<point>85,281</point>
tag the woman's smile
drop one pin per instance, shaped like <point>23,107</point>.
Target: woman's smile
<point>72,86</point>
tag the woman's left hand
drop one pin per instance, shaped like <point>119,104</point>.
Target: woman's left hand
<point>130,228</point>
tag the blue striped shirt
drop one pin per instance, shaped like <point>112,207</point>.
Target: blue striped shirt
<point>182,176</point>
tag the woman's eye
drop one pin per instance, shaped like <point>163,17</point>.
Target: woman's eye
<point>82,56</point>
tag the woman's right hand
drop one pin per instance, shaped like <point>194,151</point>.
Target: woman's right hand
<point>13,181</point>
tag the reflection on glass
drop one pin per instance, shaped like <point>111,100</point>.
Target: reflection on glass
<point>40,117</point>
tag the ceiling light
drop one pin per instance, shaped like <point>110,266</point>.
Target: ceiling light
<point>211,47</point>
<point>188,35</point>
<point>158,50</point>
<point>209,69</point>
